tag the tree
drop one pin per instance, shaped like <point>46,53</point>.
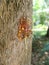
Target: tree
<point>47,34</point>
<point>12,50</point>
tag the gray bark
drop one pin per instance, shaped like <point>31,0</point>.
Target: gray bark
<point>12,50</point>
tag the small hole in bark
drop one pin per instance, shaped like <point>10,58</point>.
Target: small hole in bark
<point>0,31</point>
<point>11,1</point>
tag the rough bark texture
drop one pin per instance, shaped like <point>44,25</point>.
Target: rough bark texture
<point>12,50</point>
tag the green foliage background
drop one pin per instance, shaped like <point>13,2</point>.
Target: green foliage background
<point>40,45</point>
<point>40,15</point>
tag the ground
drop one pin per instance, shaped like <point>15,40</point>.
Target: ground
<point>40,51</point>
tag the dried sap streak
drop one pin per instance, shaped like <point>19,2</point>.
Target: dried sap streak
<point>23,28</point>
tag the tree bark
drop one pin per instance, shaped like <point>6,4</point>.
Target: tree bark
<point>47,34</point>
<point>12,50</point>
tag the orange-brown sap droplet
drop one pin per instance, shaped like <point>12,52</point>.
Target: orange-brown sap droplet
<point>23,28</point>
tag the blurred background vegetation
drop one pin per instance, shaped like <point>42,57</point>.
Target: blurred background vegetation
<point>40,16</point>
<point>40,45</point>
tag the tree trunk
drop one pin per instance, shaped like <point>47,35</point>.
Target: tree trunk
<point>12,50</point>
<point>47,34</point>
